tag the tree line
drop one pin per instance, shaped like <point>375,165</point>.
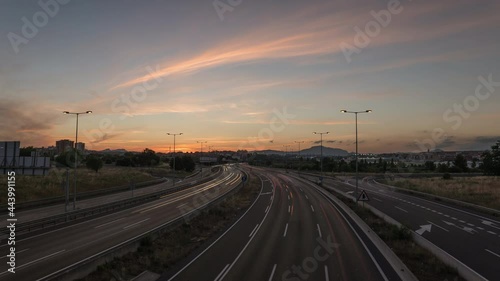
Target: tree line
<point>490,164</point>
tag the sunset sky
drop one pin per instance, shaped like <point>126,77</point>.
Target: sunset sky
<point>240,76</point>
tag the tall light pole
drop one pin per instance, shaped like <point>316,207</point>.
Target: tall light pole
<point>76,148</point>
<point>356,114</point>
<point>299,142</point>
<point>286,146</point>
<point>201,154</point>
<point>321,142</point>
<point>172,134</point>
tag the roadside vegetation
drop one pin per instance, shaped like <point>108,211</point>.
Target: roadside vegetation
<point>423,264</point>
<point>162,253</point>
<point>30,188</point>
<point>483,191</point>
<point>488,164</point>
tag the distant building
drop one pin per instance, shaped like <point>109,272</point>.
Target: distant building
<point>80,146</point>
<point>64,145</point>
<point>23,165</point>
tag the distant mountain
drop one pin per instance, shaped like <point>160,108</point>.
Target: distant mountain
<point>269,152</point>
<point>327,151</point>
<point>312,151</point>
<point>113,151</point>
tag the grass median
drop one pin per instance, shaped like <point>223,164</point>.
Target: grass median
<point>483,191</point>
<point>162,253</point>
<point>423,264</point>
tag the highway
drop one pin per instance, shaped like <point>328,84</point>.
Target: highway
<point>40,256</point>
<point>56,209</point>
<point>291,232</point>
<point>471,237</point>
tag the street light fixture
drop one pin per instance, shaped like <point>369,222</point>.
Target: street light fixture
<point>321,142</point>
<point>172,134</point>
<point>76,148</point>
<point>356,114</point>
<point>201,154</point>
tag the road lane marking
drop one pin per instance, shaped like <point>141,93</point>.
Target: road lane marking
<point>255,228</point>
<point>312,208</point>
<point>266,193</point>
<point>272,272</point>
<point>319,230</point>
<point>491,232</point>
<point>438,226</point>
<point>104,224</point>
<point>288,197</point>
<point>359,239</point>
<point>34,261</point>
<point>286,228</point>
<point>289,208</point>
<point>376,199</point>
<point>490,224</point>
<point>18,252</point>
<point>267,209</point>
<point>180,197</point>
<point>222,272</point>
<point>223,234</point>
<point>327,278</point>
<point>491,252</point>
<point>307,197</point>
<point>401,209</point>
<point>134,224</point>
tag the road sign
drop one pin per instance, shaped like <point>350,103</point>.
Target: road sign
<point>363,196</point>
<point>244,178</point>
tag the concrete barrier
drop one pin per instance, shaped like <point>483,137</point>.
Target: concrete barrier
<point>464,271</point>
<point>399,267</point>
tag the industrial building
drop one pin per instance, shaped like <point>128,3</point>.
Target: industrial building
<point>22,165</point>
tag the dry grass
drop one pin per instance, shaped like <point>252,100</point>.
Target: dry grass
<point>30,188</point>
<point>422,263</point>
<point>483,191</point>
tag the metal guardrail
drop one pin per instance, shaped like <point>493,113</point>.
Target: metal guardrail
<point>451,201</point>
<point>52,221</point>
<point>80,196</point>
<point>68,273</point>
<point>90,194</point>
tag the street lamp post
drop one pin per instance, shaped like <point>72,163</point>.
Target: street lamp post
<point>298,167</point>
<point>299,142</point>
<point>286,159</point>
<point>201,154</point>
<point>76,150</point>
<point>356,118</point>
<point>172,134</point>
<point>321,144</point>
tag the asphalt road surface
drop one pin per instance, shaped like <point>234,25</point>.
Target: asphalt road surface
<point>471,237</point>
<point>42,255</point>
<point>291,232</point>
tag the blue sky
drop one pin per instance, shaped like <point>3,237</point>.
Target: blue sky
<point>150,67</point>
